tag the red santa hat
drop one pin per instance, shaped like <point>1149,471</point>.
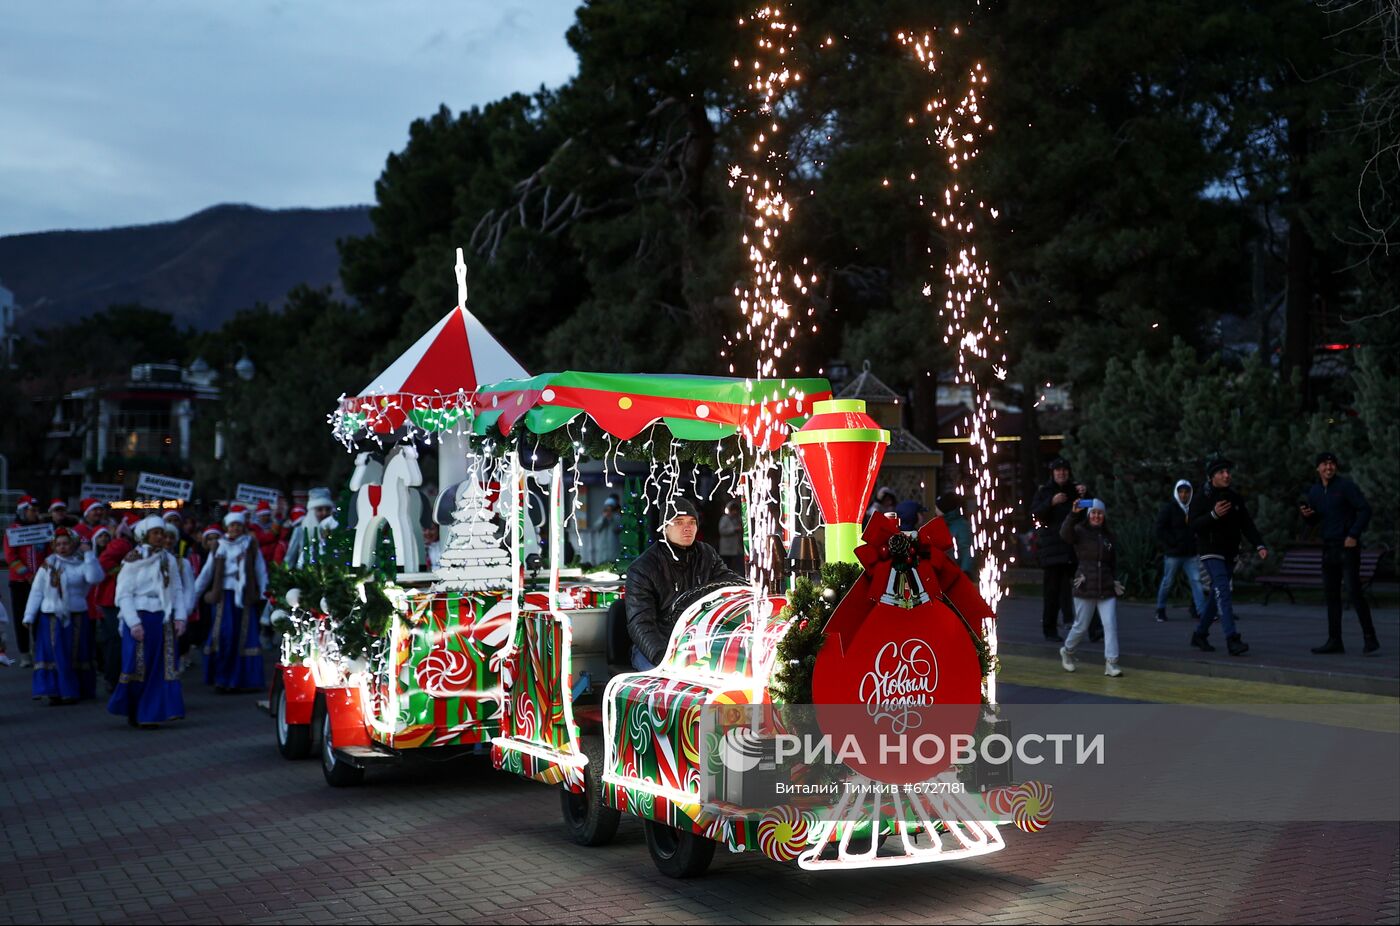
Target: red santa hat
<point>238,513</point>
<point>88,504</point>
<point>58,503</point>
<point>25,501</point>
<point>264,510</point>
<point>172,514</point>
<point>104,529</point>
<point>212,529</point>
<point>297,513</point>
<point>60,532</point>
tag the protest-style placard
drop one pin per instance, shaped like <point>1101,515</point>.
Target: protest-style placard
<point>102,491</point>
<point>30,535</point>
<point>251,495</point>
<point>157,486</point>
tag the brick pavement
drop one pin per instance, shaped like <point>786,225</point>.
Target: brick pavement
<point>202,822</point>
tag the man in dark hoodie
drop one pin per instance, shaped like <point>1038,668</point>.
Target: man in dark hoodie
<point>1220,519</point>
<point>674,565</point>
<point>1336,503</point>
<point>1050,506</point>
<point>1178,543</point>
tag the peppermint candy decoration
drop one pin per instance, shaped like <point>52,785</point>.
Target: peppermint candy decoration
<point>782,833</point>
<point>444,673</point>
<point>1032,806</point>
<point>999,800</point>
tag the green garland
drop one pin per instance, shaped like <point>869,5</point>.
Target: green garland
<point>809,606</point>
<point>656,443</point>
<point>357,623</point>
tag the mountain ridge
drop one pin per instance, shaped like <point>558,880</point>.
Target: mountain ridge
<point>201,269</point>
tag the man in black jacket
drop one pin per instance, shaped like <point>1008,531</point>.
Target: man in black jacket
<point>672,566</point>
<point>1338,505</point>
<point>1219,518</point>
<point>1050,506</point>
<point>1178,543</point>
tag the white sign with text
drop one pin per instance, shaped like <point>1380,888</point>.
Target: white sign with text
<point>30,536</point>
<point>158,486</point>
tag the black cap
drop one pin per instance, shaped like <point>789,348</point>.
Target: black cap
<point>1060,463</point>
<point>1326,456</point>
<point>683,506</point>
<point>949,502</point>
<point>1216,465</point>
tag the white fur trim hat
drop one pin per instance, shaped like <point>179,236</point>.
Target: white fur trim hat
<point>236,514</point>
<point>146,525</point>
<point>320,498</point>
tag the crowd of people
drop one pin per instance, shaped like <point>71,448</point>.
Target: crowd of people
<point>1200,532</point>
<point>135,598</point>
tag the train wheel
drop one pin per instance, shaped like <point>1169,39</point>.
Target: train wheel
<point>587,820</point>
<point>293,739</point>
<point>338,774</point>
<point>678,853</point>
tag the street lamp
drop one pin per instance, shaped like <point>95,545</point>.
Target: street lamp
<point>244,367</point>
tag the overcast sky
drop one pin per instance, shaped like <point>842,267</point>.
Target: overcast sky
<point>120,112</point>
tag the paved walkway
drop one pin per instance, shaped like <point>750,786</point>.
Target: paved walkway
<point>202,822</point>
<point>1279,636</point>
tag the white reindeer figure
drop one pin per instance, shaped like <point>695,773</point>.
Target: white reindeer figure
<point>386,495</point>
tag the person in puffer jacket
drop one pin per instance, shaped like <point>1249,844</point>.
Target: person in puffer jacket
<point>1096,586</point>
<point>1178,543</point>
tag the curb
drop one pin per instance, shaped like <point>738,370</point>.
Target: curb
<point>1234,669</point>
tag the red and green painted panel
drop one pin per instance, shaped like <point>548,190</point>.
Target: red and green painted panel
<point>442,683</point>
<point>718,638</point>
<point>536,667</point>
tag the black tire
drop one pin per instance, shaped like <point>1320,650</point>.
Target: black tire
<point>677,853</point>
<point>293,739</point>
<point>587,821</point>
<point>338,774</point>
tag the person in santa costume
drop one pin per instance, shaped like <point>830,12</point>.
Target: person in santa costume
<point>308,541</point>
<point>265,531</point>
<point>94,516</point>
<point>187,574</point>
<point>232,580</point>
<point>294,519</point>
<point>109,637</point>
<point>151,601</point>
<point>202,618</point>
<point>58,513</point>
<point>23,563</point>
<point>56,614</point>
<point>182,543</point>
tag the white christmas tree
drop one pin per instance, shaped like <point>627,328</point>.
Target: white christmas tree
<point>473,558</point>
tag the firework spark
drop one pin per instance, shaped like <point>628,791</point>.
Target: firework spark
<point>970,311</point>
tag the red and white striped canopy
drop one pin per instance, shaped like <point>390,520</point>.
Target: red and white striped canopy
<point>432,382</point>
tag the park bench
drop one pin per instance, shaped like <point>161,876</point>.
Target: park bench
<point>1302,568</point>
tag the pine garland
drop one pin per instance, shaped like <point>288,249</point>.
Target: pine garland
<point>356,622</point>
<point>593,443</point>
<point>810,605</point>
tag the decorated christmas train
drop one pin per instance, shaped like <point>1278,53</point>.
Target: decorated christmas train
<point>500,648</point>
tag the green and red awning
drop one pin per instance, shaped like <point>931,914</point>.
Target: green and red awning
<point>693,408</point>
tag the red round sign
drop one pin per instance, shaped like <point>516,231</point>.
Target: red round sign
<point>893,699</point>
